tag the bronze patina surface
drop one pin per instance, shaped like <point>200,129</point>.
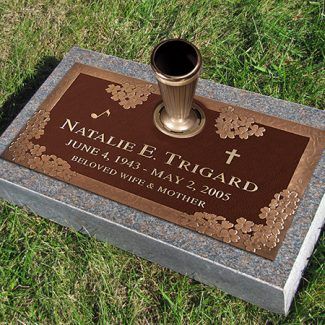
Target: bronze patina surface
<point>239,180</point>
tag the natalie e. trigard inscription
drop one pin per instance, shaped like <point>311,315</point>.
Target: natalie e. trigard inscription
<point>238,181</point>
<point>148,151</point>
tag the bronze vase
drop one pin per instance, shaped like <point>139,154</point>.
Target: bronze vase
<point>177,65</point>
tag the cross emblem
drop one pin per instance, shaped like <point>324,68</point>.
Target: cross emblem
<point>232,154</point>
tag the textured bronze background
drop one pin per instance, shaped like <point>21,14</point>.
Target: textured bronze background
<point>277,155</point>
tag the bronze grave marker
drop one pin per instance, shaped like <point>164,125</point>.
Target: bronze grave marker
<point>239,180</point>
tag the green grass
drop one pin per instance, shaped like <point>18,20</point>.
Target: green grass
<point>49,274</point>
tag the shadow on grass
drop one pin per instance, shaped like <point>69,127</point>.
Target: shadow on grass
<point>19,99</point>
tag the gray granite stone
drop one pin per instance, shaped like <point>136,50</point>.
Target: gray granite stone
<point>269,284</point>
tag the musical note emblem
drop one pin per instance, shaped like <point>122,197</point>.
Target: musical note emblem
<point>95,116</point>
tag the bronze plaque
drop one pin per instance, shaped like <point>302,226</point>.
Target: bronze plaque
<point>239,180</point>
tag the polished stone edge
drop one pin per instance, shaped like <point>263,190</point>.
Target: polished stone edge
<point>302,259</point>
<point>202,270</point>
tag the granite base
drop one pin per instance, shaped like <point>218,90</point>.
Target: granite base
<point>269,284</point>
